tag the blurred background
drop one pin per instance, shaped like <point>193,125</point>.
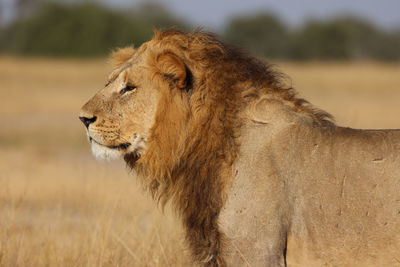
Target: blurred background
<point>61,207</point>
<point>288,30</point>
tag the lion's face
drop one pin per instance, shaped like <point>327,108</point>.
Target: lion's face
<point>119,117</point>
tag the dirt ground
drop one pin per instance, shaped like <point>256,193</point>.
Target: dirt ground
<point>61,207</point>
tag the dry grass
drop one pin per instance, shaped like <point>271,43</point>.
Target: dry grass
<point>60,207</point>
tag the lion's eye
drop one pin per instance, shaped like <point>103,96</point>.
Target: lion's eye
<point>127,89</point>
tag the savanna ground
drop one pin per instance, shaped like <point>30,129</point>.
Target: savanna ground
<point>61,207</point>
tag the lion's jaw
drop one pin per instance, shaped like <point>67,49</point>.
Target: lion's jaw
<point>102,152</point>
<point>108,153</point>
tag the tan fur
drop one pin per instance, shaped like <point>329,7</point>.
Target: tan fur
<point>258,176</point>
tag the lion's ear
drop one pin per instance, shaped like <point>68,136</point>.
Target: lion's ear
<point>173,68</point>
<point>121,55</point>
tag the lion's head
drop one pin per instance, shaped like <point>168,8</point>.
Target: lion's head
<point>119,117</point>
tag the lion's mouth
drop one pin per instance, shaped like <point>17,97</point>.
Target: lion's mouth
<point>122,146</point>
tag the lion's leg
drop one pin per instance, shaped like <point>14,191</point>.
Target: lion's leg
<point>254,220</point>
<point>247,250</point>
<point>256,233</point>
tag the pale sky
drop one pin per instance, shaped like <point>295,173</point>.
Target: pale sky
<point>213,13</point>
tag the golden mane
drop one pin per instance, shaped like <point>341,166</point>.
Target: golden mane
<point>217,94</point>
<point>206,50</point>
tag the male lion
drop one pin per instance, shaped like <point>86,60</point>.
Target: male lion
<point>258,176</point>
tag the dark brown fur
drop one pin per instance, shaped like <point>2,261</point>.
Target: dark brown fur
<point>194,140</point>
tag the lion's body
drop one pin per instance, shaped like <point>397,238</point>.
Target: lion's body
<point>325,197</point>
<point>258,176</point>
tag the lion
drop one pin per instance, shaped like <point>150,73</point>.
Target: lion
<point>258,176</point>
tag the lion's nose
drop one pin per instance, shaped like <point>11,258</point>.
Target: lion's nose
<point>88,121</point>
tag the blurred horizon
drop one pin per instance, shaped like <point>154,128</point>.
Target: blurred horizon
<point>383,14</point>
<point>65,28</point>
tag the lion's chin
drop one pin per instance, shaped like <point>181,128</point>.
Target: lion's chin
<point>104,153</point>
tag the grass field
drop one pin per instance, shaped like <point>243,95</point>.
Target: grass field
<point>61,207</point>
